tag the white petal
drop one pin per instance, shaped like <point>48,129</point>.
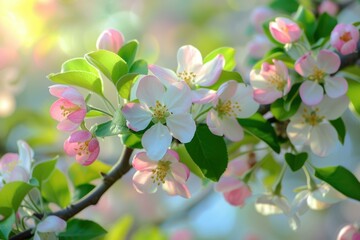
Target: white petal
<point>258,81</point>
<point>311,93</point>
<point>227,90</point>
<point>149,90</point>
<point>19,173</point>
<point>333,108</point>
<point>323,139</point>
<point>182,126</point>
<point>315,204</point>
<point>51,224</point>
<point>335,86</point>
<point>244,97</point>
<point>137,115</point>
<point>178,98</point>
<point>232,129</point>
<point>203,95</point>
<point>26,155</point>
<point>300,202</point>
<point>189,59</point>
<point>156,141</point>
<point>165,75</point>
<point>298,132</point>
<point>143,182</point>
<point>214,123</point>
<point>178,171</point>
<point>210,72</point>
<point>173,187</point>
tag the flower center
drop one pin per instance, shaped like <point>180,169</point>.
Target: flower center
<point>346,37</point>
<point>227,108</point>
<point>318,75</point>
<point>160,113</point>
<point>160,172</point>
<point>65,111</point>
<point>188,77</point>
<point>312,117</point>
<point>82,148</point>
<point>9,167</point>
<point>277,81</point>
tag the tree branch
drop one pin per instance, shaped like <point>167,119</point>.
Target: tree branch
<point>92,198</point>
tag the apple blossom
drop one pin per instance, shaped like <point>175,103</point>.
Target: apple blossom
<point>110,40</point>
<point>234,100</point>
<point>47,228</point>
<point>285,30</point>
<point>69,109</point>
<point>271,83</point>
<point>83,145</point>
<point>259,15</point>
<point>311,126</point>
<point>168,110</point>
<point>317,71</point>
<point>193,72</point>
<point>345,38</point>
<point>258,46</point>
<point>16,167</point>
<point>168,172</point>
<point>328,7</point>
<point>349,232</point>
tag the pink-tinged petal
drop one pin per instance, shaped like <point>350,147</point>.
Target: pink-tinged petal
<point>335,86</point>
<point>244,97</point>
<point>203,95</point>
<point>149,90</point>
<point>189,59</point>
<point>279,35</point>
<point>298,132</point>
<point>80,136</point>
<point>91,158</point>
<point>305,65</point>
<point>227,90</point>
<point>56,110</point>
<point>257,81</point>
<point>110,40</point>
<point>238,196</point>
<point>77,116</point>
<point>311,93</point>
<point>57,90</point>
<point>143,182</point>
<point>156,141</point>
<point>348,47</point>
<point>226,184</point>
<point>214,123</point>
<point>348,232</point>
<point>73,96</point>
<point>51,224</point>
<point>180,172</point>
<point>328,61</point>
<point>232,129</point>
<point>178,98</point>
<point>182,126</point>
<point>210,71</point>
<point>166,76</point>
<point>237,167</point>
<point>69,148</point>
<point>172,156</point>
<point>67,126</point>
<point>7,162</point>
<point>323,139</point>
<point>141,162</point>
<point>137,115</point>
<point>19,173</point>
<point>26,155</point>
<point>333,108</point>
<point>267,95</point>
<point>173,187</point>
<point>93,144</point>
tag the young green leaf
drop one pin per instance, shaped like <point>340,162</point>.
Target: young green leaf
<point>78,229</point>
<point>226,76</point>
<point>283,109</point>
<point>296,161</point>
<point>85,174</point>
<point>7,222</point>
<point>229,55</point>
<point>125,83</point>
<point>78,64</point>
<point>353,94</point>
<point>56,189</point>
<point>339,125</point>
<point>287,6</point>
<point>132,140</point>
<point>307,19</point>
<point>324,27</point>
<point>113,127</point>
<point>341,179</point>
<point>43,170</point>
<point>140,67</point>
<point>128,51</point>
<point>209,152</point>
<point>13,193</point>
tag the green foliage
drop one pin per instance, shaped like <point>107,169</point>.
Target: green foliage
<point>81,191</point>
<point>286,6</point>
<point>209,152</point>
<point>326,24</point>
<point>132,140</point>
<point>352,75</point>
<point>229,55</point>
<point>226,76</point>
<point>120,229</point>
<point>13,193</point>
<point>128,51</point>
<point>56,189</point>
<point>284,108</point>
<point>260,128</point>
<point>78,64</point>
<point>124,85</point>
<point>109,63</point>
<point>339,125</point>
<point>78,229</point>
<point>341,179</point>
<point>149,233</point>
<point>187,160</point>
<point>87,80</point>
<point>307,20</point>
<point>43,170</point>
<point>7,222</point>
<point>296,161</point>
<point>276,55</point>
<point>80,174</point>
<point>113,127</point>
<point>140,66</point>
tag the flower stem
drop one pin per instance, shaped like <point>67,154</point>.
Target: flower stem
<point>310,181</point>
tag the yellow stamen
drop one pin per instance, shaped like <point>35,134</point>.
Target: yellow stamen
<point>160,112</point>
<point>227,108</point>
<point>160,172</point>
<point>188,77</point>
<point>312,117</point>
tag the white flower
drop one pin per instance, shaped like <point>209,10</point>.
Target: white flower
<point>47,228</point>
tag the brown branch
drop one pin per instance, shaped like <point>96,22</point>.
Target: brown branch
<point>92,198</point>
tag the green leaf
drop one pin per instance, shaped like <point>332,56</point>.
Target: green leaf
<point>341,179</point>
<point>287,6</point>
<point>278,56</point>
<point>125,83</point>
<point>187,160</point>
<point>78,229</point>
<point>132,140</point>
<point>7,222</point>
<point>296,161</point>
<point>113,127</point>
<point>120,229</point>
<point>324,27</point>
<point>81,191</point>
<point>260,128</point>
<point>128,51</point>
<point>307,19</point>
<point>86,80</point>
<point>339,125</point>
<point>353,94</point>
<point>80,174</point>
<point>149,233</point>
<point>43,170</point>
<point>226,76</point>
<point>209,152</point>
<point>109,63</point>
<point>13,193</point>
<point>284,109</point>
<point>56,189</point>
<point>228,54</point>
<point>140,67</point>
<point>78,64</point>
<point>352,72</point>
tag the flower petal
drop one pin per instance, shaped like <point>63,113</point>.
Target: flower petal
<point>173,187</point>
<point>311,93</point>
<point>179,172</point>
<point>335,86</point>
<point>226,184</point>
<point>156,141</point>
<point>232,129</point>
<point>203,95</point>
<point>333,108</point>
<point>210,71</point>
<point>149,90</point>
<point>143,182</point>
<point>51,224</point>
<point>77,116</point>
<point>26,155</point>
<point>305,65</point>
<point>178,98</point>
<point>266,95</point>
<point>238,196</point>
<point>182,126</point>
<point>323,139</point>
<point>141,162</point>
<point>80,136</point>
<point>165,75</point>
<point>189,59</point>
<point>137,115</point>
<point>328,61</point>
<point>214,123</point>
<point>298,132</point>
<point>244,97</point>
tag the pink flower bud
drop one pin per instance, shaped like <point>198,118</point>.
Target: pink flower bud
<point>329,7</point>
<point>110,40</point>
<point>344,37</point>
<point>284,30</point>
<point>349,232</point>
<point>235,191</point>
<point>83,146</point>
<point>259,15</point>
